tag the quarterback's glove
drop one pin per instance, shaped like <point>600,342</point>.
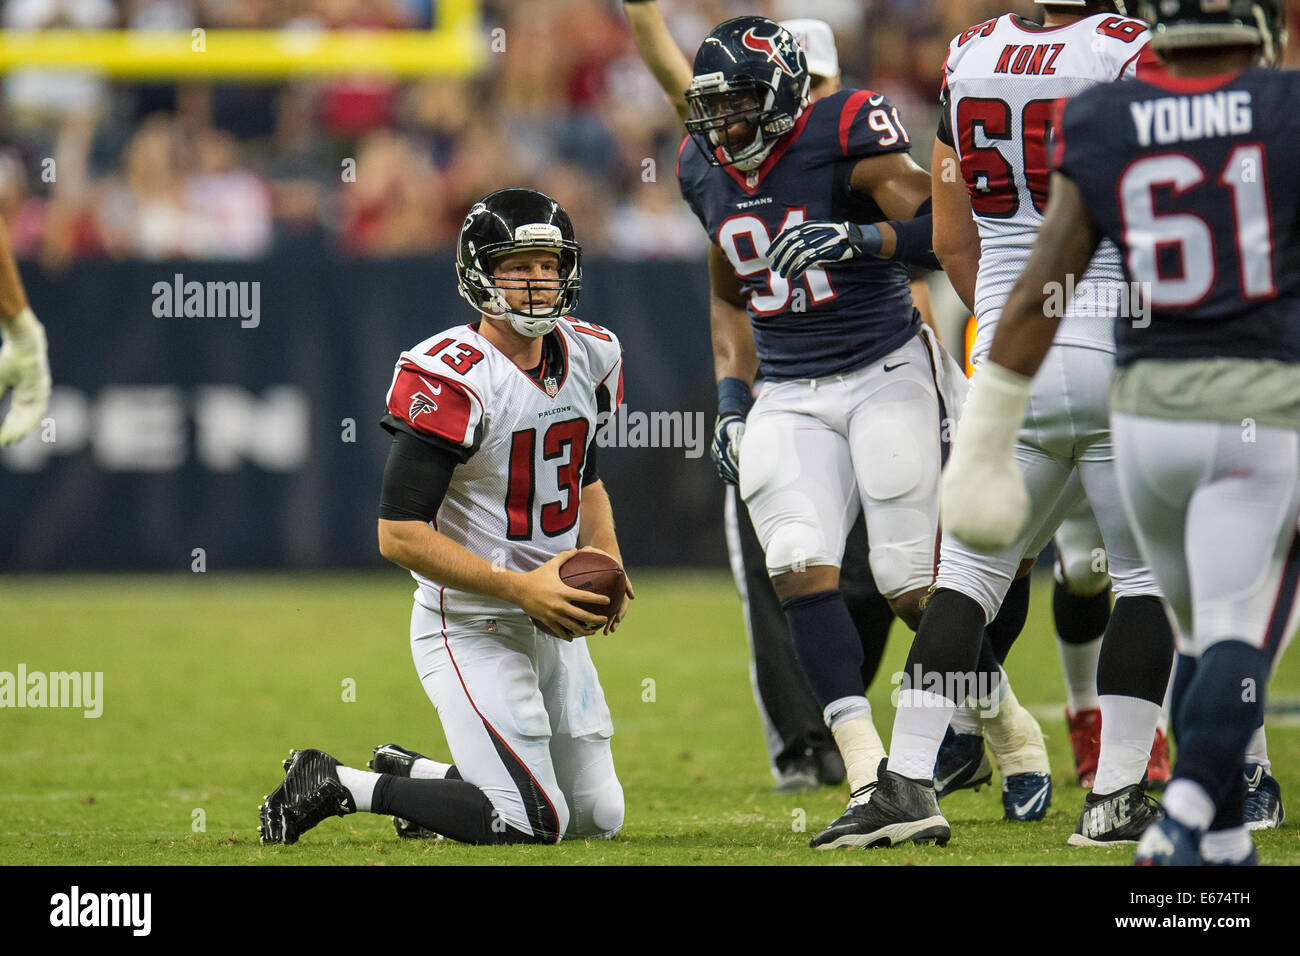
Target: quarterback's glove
<point>982,495</point>
<point>25,368</point>
<point>728,430</point>
<point>810,244</point>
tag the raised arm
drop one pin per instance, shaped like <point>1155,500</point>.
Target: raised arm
<point>659,51</point>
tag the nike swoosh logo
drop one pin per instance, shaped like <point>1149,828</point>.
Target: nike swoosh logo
<point>433,389</point>
<point>876,100</point>
<point>1023,808</point>
<point>890,368</point>
<point>942,783</point>
<point>1255,779</point>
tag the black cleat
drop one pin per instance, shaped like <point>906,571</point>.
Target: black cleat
<point>311,791</point>
<point>1117,818</point>
<point>390,758</point>
<point>1263,809</point>
<point>893,810</point>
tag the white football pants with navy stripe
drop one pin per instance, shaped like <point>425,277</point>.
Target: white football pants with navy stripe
<point>1214,505</point>
<point>1064,449</point>
<point>525,717</point>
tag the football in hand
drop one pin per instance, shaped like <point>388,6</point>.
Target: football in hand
<point>595,572</point>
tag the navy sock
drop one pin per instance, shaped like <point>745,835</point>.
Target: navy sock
<point>1010,620</point>
<point>454,808</point>
<point>1137,650</point>
<point>1184,673</point>
<point>1079,619</point>
<point>826,644</point>
<point>1218,715</point>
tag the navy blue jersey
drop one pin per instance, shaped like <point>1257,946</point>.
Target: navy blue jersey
<point>832,319</point>
<point>1195,181</point>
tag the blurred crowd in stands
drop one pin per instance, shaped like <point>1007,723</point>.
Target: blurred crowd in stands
<point>365,166</point>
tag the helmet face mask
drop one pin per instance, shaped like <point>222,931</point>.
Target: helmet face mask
<point>750,86</point>
<point>1192,24</point>
<point>499,229</point>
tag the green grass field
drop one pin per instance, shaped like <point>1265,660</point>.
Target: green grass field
<point>210,679</point>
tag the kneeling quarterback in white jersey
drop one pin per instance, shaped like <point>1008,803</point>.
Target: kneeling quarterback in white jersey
<point>490,485</point>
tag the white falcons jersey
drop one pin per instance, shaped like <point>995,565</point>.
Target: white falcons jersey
<point>1002,83</point>
<point>514,499</point>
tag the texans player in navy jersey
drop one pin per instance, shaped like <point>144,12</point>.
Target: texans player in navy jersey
<point>801,751</point>
<point>1189,172</point>
<point>855,395</point>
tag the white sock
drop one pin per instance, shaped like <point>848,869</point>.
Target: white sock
<point>965,720</point>
<point>1013,735</point>
<point>1257,749</point>
<point>1188,803</point>
<point>425,769</point>
<point>1079,664</point>
<point>1226,846</point>
<point>919,723</point>
<point>860,746</point>
<point>361,784</point>
<point>1128,728</point>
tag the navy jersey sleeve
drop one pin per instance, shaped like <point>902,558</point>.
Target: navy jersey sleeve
<point>867,124</point>
<point>1073,146</point>
<point>690,177</point>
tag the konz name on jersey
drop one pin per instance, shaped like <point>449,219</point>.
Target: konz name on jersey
<point>1175,119</point>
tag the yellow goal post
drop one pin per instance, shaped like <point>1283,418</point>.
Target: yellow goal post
<point>456,46</point>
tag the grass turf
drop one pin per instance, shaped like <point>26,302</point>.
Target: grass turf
<point>210,679</point>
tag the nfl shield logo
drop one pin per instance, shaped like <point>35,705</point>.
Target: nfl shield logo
<point>552,386</point>
<point>491,626</point>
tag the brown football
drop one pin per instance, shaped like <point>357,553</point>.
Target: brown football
<point>592,571</point>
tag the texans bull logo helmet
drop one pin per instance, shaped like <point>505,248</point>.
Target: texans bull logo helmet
<point>750,87</point>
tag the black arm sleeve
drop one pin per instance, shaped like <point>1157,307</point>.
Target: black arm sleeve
<point>590,473</point>
<point>416,478</point>
<point>944,133</point>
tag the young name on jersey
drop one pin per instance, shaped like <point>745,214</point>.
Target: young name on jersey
<point>1193,179</point>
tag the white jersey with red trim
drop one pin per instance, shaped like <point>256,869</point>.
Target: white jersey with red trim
<point>514,500</point>
<point>1001,82</point>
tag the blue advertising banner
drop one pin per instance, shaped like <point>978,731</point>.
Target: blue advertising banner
<point>234,408</point>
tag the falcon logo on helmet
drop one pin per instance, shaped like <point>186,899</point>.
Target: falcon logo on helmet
<point>510,221</point>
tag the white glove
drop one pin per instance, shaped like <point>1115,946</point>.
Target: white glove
<point>982,495</point>
<point>24,367</point>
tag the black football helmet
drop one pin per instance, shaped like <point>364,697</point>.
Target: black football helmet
<point>510,221</point>
<point>750,86</point>
<point>1206,23</point>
